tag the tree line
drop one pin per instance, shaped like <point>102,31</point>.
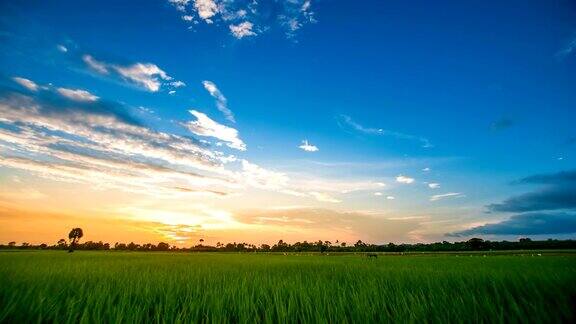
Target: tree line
<point>474,244</point>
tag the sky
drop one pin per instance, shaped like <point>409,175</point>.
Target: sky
<point>259,120</point>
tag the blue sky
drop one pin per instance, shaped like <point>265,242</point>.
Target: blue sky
<point>471,96</point>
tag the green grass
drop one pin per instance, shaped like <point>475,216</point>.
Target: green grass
<point>88,287</point>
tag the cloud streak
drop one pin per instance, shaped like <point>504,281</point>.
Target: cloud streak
<point>221,101</point>
<point>526,224</point>
<point>446,195</point>
<point>204,126</point>
<point>348,123</point>
<point>26,83</point>
<point>558,192</point>
<point>305,146</point>
<point>77,94</point>
<point>147,76</point>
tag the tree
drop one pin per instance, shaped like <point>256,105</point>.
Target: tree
<point>12,244</point>
<point>163,246</point>
<point>475,243</point>
<point>62,244</point>
<point>75,235</point>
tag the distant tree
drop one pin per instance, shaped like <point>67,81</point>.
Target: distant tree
<point>61,244</point>
<point>75,235</point>
<point>12,244</point>
<point>343,244</point>
<point>265,247</point>
<point>163,246</point>
<point>322,247</point>
<point>201,241</point>
<point>475,243</point>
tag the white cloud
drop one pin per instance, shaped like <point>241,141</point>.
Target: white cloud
<point>206,9</point>
<point>177,84</point>
<point>404,179</point>
<point>171,92</point>
<point>62,48</point>
<point>446,195</point>
<point>97,66</point>
<point>390,197</point>
<point>86,146</point>
<point>77,94</point>
<point>308,147</point>
<point>26,83</point>
<point>243,29</point>
<point>204,126</point>
<point>244,17</point>
<point>146,75</point>
<point>259,177</point>
<point>434,185</point>
<point>320,196</point>
<point>179,4</point>
<point>378,194</point>
<point>347,121</point>
<point>221,101</point>
<point>426,169</point>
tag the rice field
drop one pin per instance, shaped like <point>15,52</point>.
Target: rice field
<point>132,287</point>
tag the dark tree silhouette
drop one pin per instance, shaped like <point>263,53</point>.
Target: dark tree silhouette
<point>62,243</point>
<point>74,236</point>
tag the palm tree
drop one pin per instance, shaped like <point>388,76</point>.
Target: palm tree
<point>74,236</point>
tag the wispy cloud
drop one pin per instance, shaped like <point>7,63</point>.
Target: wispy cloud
<point>221,101</point>
<point>96,143</point>
<point>245,17</point>
<point>26,83</point>
<point>404,179</point>
<point>144,75</point>
<point>242,30</point>
<point>558,192</point>
<point>62,48</point>
<point>446,195</point>
<point>204,126</point>
<point>347,122</point>
<point>320,196</point>
<point>315,222</point>
<point>308,147</point>
<point>526,224</point>
<point>95,65</point>
<point>433,185</point>
<point>77,94</point>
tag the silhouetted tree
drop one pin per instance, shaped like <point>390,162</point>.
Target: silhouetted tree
<point>163,246</point>
<point>12,244</point>
<point>75,235</point>
<point>475,243</point>
<point>61,244</point>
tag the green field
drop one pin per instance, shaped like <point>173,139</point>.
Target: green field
<point>54,286</point>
